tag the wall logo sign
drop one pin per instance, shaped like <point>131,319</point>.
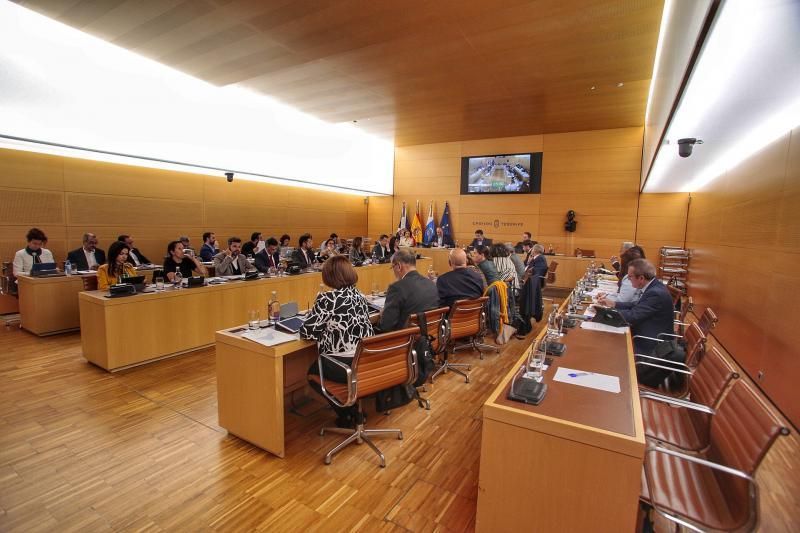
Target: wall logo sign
<point>498,223</point>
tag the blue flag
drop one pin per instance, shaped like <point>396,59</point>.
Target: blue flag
<point>447,230</point>
<point>430,227</point>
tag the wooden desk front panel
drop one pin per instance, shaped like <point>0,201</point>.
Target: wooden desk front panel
<point>49,305</point>
<point>120,332</point>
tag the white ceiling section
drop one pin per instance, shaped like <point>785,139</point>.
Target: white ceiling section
<point>59,85</point>
<point>743,94</point>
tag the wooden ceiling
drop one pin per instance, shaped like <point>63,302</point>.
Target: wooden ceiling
<point>417,71</point>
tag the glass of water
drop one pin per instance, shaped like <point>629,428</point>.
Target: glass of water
<point>375,289</point>
<point>159,284</point>
<point>537,360</point>
<point>253,321</point>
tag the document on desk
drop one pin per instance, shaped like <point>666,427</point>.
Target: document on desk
<point>270,336</point>
<point>377,302</point>
<point>588,379</point>
<point>597,326</point>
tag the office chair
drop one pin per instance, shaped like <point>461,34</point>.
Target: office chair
<point>715,489</point>
<point>468,321</point>
<point>380,362</point>
<point>439,330</point>
<point>707,321</point>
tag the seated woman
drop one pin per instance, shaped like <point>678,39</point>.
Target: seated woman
<point>116,267</point>
<point>177,259</point>
<point>405,239</point>
<point>356,253</point>
<point>394,245</point>
<point>328,250</point>
<point>337,321</point>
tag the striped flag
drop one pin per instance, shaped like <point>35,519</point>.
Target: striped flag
<point>416,227</point>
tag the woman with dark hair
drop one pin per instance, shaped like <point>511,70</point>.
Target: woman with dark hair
<point>177,259</point>
<point>406,240</point>
<point>284,240</point>
<point>357,255</point>
<point>116,267</point>
<point>337,321</point>
<point>34,252</point>
<point>394,245</point>
<point>328,250</point>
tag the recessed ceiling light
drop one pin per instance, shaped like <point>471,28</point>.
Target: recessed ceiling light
<point>592,88</point>
<point>620,84</point>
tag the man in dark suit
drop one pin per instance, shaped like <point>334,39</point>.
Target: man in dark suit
<point>381,250</point>
<point>88,256</point>
<point>479,240</point>
<point>251,247</point>
<point>269,257</point>
<point>537,264</point>
<point>135,257</point>
<point>461,282</point>
<point>304,255</point>
<point>209,249</point>
<point>442,240</point>
<point>519,247</point>
<point>652,314</point>
<point>410,294</point>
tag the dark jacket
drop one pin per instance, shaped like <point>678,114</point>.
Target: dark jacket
<point>486,242</point>
<point>263,262</point>
<point>78,258</point>
<point>447,240</point>
<point>207,252</point>
<point>142,259</point>
<point>299,257</point>
<point>249,248</point>
<point>651,315</point>
<point>410,295</point>
<point>383,254</point>
<point>538,268</point>
<point>459,284</point>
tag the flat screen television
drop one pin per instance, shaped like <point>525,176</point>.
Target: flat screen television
<point>502,174</point>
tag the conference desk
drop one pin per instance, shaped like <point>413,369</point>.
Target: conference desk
<point>50,305</point>
<point>572,463</point>
<point>120,332</point>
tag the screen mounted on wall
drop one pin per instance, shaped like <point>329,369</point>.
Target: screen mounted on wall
<point>502,174</point>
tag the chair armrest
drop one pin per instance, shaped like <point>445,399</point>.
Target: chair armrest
<point>654,365</point>
<point>676,401</point>
<point>667,361</point>
<point>679,323</point>
<point>703,462</point>
<point>648,338</point>
<point>670,335</point>
<point>352,388</point>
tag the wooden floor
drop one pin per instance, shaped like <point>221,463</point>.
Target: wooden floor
<point>82,449</point>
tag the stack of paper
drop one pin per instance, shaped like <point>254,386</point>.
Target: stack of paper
<point>269,336</point>
<point>596,326</point>
<point>587,379</point>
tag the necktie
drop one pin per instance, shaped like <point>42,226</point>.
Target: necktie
<point>637,295</point>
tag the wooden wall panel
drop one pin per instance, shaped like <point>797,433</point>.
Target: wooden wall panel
<point>661,221</point>
<point>67,197</point>
<point>751,210</point>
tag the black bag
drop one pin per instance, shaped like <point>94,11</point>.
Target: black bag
<point>654,377</point>
<point>395,397</point>
<point>424,349</point>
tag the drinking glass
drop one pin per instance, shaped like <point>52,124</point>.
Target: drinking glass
<point>253,320</point>
<point>271,271</point>
<point>178,279</point>
<point>159,284</point>
<point>375,290</point>
<point>537,360</point>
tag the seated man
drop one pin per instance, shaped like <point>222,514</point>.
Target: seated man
<point>269,257</point>
<point>410,294</point>
<point>461,283</point>
<point>251,247</point>
<point>479,240</point>
<point>209,249</point>
<point>615,261</point>
<point>87,257</point>
<point>482,259</point>
<point>519,266</point>
<point>442,240</point>
<point>519,247</point>
<point>135,257</point>
<point>33,253</point>
<point>652,314</point>
<point>231,262</point>
<point>304,255</point>
<point>178,260</point>
<point>187,247</point>
<point>537,266</point>
<point>381,250</point>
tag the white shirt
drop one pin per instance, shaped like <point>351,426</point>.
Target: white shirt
<point>90,259</point>
<point>135,259</point>
<point>23,261</point>
<point>440,241</point>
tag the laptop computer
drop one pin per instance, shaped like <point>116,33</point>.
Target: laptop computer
<point>45,270</point>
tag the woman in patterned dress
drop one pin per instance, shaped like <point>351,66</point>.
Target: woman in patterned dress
<point>337,321</point>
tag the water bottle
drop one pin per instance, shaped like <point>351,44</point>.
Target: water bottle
<point>274,308</point>
<point>374,257</point>
<point>67,267</point>
<point>178,279</point>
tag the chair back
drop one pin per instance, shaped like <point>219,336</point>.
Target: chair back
<point>708,383</point>
<point>695,345</point>
<point>383,361</point>
<point>742,432</point>
<point>551,272</point>
<point>676,294</point>
<point>583,252</point>
<point>467,318</point>
<point>438,328</point>
<point>89,283</point>
<point>687,305</point>
<point>708,320</point>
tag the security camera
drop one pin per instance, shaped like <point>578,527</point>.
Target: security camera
<point>229,175</point>
<point>685,146</point>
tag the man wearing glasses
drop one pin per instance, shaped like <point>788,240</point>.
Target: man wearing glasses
<point>410,294</point>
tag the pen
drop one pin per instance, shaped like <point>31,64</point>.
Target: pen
<point>578,374</point>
